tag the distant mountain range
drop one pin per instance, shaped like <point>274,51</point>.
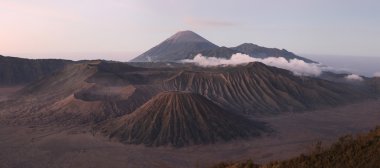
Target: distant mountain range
<point>187,44</point>
<point>182,45</point>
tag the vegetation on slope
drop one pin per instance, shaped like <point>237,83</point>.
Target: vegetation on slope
<point>349,152</point>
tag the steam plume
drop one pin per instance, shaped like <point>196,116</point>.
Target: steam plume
<point>298,67</point>
<point>354,77</point>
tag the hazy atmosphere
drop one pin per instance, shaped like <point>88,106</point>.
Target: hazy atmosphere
<point>121,30</point>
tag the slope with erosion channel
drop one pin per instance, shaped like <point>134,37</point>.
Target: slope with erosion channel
<point>181,118</point>
<point>81,93</point>
<point>256,88</point>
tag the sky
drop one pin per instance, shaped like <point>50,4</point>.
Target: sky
<point>122,29</point>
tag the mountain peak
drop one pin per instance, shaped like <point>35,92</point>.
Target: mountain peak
<point>247,45</point>
<point>187,36</point>
<point>177,47</point>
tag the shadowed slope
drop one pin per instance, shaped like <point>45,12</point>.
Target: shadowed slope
<point>181,118</point>
<point>20,71</point>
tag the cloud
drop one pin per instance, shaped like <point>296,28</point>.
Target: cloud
<point>298,67</point>
<point>376,74</point>
<point>354,77</point>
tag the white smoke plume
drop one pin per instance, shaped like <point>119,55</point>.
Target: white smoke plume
<point>376,74</point>
<point>354,77</point>
<point>298,67</point>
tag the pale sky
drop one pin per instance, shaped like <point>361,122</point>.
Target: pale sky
<point>122,29</point>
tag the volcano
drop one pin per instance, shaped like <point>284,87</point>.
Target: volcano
<point>177,47</point>
<point>181,118</point>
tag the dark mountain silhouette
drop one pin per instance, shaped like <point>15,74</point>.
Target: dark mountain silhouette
<point>177,47</point>
<point>19,71</point>
<point>263,52</point>
<point>181,118</point>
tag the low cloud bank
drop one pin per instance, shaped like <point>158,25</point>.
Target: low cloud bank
<point>298,67</point>
<point>354,77</point>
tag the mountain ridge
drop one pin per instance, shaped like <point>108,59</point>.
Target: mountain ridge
<point>187,44</point>
<point>263,52</point>
<point>21,71</point>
